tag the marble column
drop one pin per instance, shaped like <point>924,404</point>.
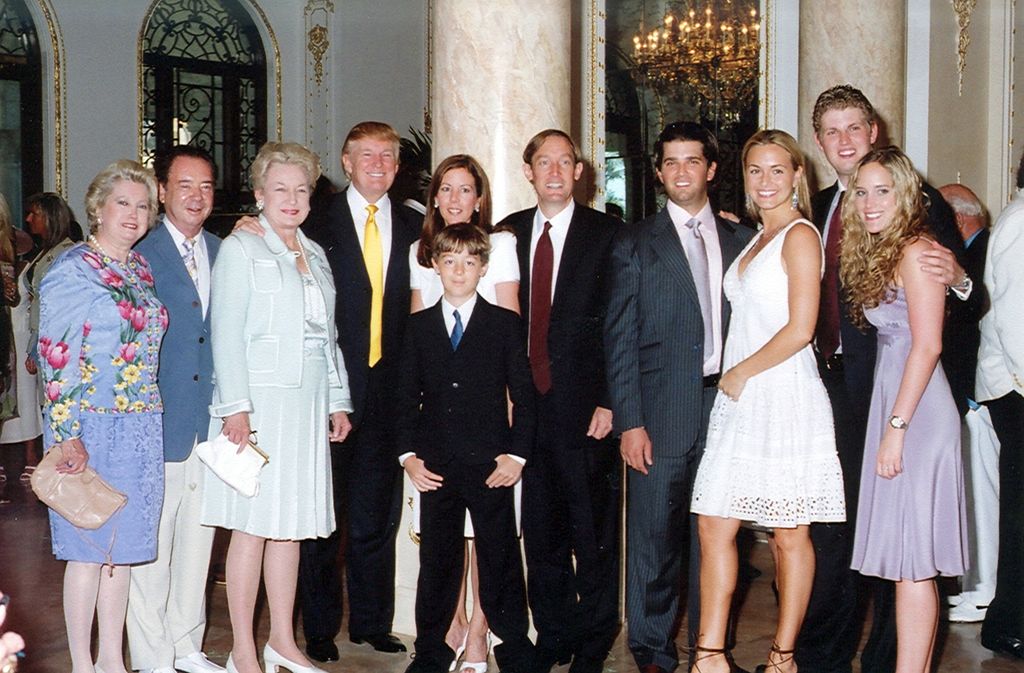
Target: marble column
<point>857,42</point>
<point>501,73</point>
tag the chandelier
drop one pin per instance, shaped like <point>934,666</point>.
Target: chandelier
<point>716,56</point>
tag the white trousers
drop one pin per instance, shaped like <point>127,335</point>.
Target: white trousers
<point>981,471</point>
<point>167,598</point>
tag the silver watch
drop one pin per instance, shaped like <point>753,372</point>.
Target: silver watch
<point>963,289</point>
<point>897,422</point>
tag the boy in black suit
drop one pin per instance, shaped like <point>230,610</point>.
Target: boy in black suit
<point>459,359</point>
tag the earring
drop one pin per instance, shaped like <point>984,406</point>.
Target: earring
<point>476,208</point>
<point>795,201</point>
<point>436,204</point>
<point>750,203</point>
<point>259,205</point>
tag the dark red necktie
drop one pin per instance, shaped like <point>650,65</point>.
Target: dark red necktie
<point>540,310</point>
<point>827,333</point>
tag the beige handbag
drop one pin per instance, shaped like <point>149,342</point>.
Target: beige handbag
<point>84,499</point>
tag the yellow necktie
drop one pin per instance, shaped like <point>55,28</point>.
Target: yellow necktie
<point>373,257</point>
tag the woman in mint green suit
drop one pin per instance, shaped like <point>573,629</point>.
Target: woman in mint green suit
<point>278,371</point>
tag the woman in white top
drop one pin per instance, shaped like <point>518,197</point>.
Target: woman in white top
<point>459,192</point>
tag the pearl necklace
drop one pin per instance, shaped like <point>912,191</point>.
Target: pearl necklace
<point>96,244</point>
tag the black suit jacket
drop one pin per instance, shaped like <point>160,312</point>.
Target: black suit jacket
<point>654,333</point>
<point>334,230</point>
<point>575,343</point>
<point>451,402</point>
<point>961,337</point>
<point>859,346</point>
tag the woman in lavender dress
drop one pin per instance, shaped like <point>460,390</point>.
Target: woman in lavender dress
<point>911,523</point>
<point>100,327</point>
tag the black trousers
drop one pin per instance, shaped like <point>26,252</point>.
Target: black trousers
<point>1005,616</point>
<point>319,587</point>
<point>571,496</point>
<point>831,631</point>
<point>370,489</point>
<point>502,588</point>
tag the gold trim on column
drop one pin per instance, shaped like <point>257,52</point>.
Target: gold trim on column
<point>963,9</point>
<point>428,117</point>
<point>60,153</point>
<point>595,110</point>
<point>277,66</point>
<point>766,111</point>
<point>318,44</point>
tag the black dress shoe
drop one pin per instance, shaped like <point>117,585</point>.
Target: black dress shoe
<point>322,649</point>
<point>544,659</point>
<point>423,666</point>
<point>382,642</point>
<point>581,664</point>
<point>652,668</point>
<point>1005,644</point>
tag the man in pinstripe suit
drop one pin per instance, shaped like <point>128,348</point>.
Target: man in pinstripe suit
<point>663,342</point>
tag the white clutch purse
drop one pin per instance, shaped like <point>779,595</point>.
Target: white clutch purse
<point>238,469</point>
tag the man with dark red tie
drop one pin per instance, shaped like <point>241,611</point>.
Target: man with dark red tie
<point>845,128</point>
<point>571,484</point>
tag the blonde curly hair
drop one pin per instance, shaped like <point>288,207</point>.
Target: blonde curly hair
<point>868,262</point>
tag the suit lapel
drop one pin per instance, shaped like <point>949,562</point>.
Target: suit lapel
<point>344,232</point>
<point>666,246</point>
<point>524,233</point>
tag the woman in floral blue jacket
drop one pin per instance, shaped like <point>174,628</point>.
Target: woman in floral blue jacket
<point>99,337</point>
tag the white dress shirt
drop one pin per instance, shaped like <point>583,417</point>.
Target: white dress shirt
<point>709,232</point>
<point>559,231</point>
<point>202,256</point>
<point>357,206</point>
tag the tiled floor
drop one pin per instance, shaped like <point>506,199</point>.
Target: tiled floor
<point>32,577</point>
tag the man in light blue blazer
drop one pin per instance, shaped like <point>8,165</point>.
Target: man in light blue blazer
<point>167,600</point>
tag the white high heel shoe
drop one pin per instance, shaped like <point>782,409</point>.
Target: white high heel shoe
<point>274,661</point>
<point>230,665</point>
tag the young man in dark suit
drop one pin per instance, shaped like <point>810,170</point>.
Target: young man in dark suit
<point>845,128</point>
<point>666,322</point>
<point>571,489</point>
<point>366,238</point>
<point>459,358</point>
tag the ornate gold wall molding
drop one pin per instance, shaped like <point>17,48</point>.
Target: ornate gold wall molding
<point>59,95</point>
<point>319,77</point>
<point>963,9</point>
<point>594,92</point>
<point>279,125</point>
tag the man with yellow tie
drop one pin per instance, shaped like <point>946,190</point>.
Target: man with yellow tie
<point>366,238</point>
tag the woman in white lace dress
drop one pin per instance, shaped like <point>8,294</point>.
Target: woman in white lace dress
<point>771,455</point>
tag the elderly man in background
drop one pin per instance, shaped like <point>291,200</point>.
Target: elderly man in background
<point>962,336</point>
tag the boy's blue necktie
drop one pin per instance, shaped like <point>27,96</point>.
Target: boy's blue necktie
<point>457,330</point>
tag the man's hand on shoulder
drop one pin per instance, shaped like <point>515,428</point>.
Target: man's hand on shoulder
<point>941,266</point>
<point>249,224</point>
<point>635,447</point>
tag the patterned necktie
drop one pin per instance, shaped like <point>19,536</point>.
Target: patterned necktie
<point>373,257</point>
<point>457,330</point>
<point>540,310</point>
<point>189,257</point>
<point>827,332</point>
<point>697,256</point>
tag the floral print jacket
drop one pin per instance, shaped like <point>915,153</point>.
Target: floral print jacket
<point>100,328</point>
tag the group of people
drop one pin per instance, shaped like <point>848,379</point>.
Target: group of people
<point>787,375</point>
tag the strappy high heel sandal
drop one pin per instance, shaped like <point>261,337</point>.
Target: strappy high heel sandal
<point>776,666</point>
<point>709,652</point>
